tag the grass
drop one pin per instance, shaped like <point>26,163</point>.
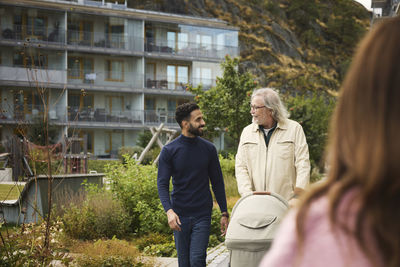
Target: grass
<point>10,191</point>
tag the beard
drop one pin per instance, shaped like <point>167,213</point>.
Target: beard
<point>195,131</point>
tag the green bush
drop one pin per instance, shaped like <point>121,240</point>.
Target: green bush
<point>136,186</point>
<point>161,250</point>
<point>144,138</point>
<point>98,216</point>
<point>227,165</point>
<point>130,151</point>
<point>313,113</point>
<point>151,239</point>
<point>99,165</point>
<point>215,230</point>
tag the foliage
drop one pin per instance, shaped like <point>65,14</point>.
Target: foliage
<point>99,165</point>
<point>111,253</point>
<point>215,230</point>
<point>228,171</point>
<point>136,186</point>
<point>313,113</point>
<point>97,216</point>
<point>41,167</point>
<point>226,106</point>
<point>161,250</point>
<point>25,246</point>
<point>144,138</point>
<point>227,165</point>
<point>152,238</point>
<point>130,151</point>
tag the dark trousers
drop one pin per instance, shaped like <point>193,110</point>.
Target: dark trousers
<point>192,241</point>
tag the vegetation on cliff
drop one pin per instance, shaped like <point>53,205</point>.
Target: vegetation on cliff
<point>295,45</point>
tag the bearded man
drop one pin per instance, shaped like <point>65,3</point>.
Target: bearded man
<point>192,162</point>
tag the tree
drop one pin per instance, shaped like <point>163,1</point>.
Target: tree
<point>226,106</point>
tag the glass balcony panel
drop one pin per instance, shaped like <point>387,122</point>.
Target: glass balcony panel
<point>32,34</point>
<point>104,78</point>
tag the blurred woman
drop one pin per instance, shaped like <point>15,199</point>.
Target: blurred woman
<point>353,218</point>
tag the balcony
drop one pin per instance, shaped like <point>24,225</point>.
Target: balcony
<point>45,36</point>
<point>170,83</point>
<point>190,49</point>
<point>100,117</point>
<point>21,75</point>
<point>99,41</point>
<point>28,114</point>
<point>98,80</point>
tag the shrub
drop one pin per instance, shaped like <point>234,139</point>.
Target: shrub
<point>111,253</point>
<point>24,246</point>
<point>99,165</point>
<point>136,186</point>
<point>313,113</point>
<point>99,215</point>
<point>130,151</point>
<point>215,230</point>
<point>152,238</point>
<point>161,250</point>
<point>227,165</point>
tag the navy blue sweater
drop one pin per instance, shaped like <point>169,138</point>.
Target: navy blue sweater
<point>192,163</point>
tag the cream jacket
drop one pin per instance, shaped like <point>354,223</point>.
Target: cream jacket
<point>279,168</point>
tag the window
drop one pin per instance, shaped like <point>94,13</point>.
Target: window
<point>89,140</point>
<point>115,105</point>
<point>114,140</point>
<point>79,67</point>
<point>80,32</point>
<point>177,76</point>
<point>115,70</point>
<point>115,32</point>
<point>80,106</point>
<point>80,100</point>
<point>203,76</point>
<point>32,59</point>
<point>28,102</point>
<point>177,40</point>
<point>204,41</point>
<point>30,25</point>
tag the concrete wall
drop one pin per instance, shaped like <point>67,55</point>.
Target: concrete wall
<point>32,206</point>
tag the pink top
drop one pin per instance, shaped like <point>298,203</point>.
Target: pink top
<point>323,245</point>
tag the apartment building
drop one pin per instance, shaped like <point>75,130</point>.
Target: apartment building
<point>384,9</point>
<point>102,69</point>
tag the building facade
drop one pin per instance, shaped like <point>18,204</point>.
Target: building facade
<point>101,69</point>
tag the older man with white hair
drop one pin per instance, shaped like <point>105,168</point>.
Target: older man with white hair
<point>273,153</point>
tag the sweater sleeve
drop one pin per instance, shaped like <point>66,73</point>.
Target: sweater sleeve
<point>217,180</point>
<point>163,178</point>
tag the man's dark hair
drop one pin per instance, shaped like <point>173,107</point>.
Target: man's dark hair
<point>183,112</point>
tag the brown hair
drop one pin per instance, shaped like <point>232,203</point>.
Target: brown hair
<point>364,147</point>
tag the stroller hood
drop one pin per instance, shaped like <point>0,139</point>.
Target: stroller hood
<point>254,221</point>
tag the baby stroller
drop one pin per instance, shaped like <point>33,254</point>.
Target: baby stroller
<point>252,228</point>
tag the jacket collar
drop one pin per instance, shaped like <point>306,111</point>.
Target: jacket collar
<point>281,125</point>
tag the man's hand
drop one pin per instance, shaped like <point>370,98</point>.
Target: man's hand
<point>224,225</point>
<point>293,202</point>
<point>173,220</point>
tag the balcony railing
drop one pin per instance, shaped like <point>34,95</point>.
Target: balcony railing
<point>33,74</point>
<point>172,83</point>
<point>191,49</point>
<point>27,33</point>
<point>29,113</point>
<point>104,78</point>
<point>97,40</point>
<point>92,116</point>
